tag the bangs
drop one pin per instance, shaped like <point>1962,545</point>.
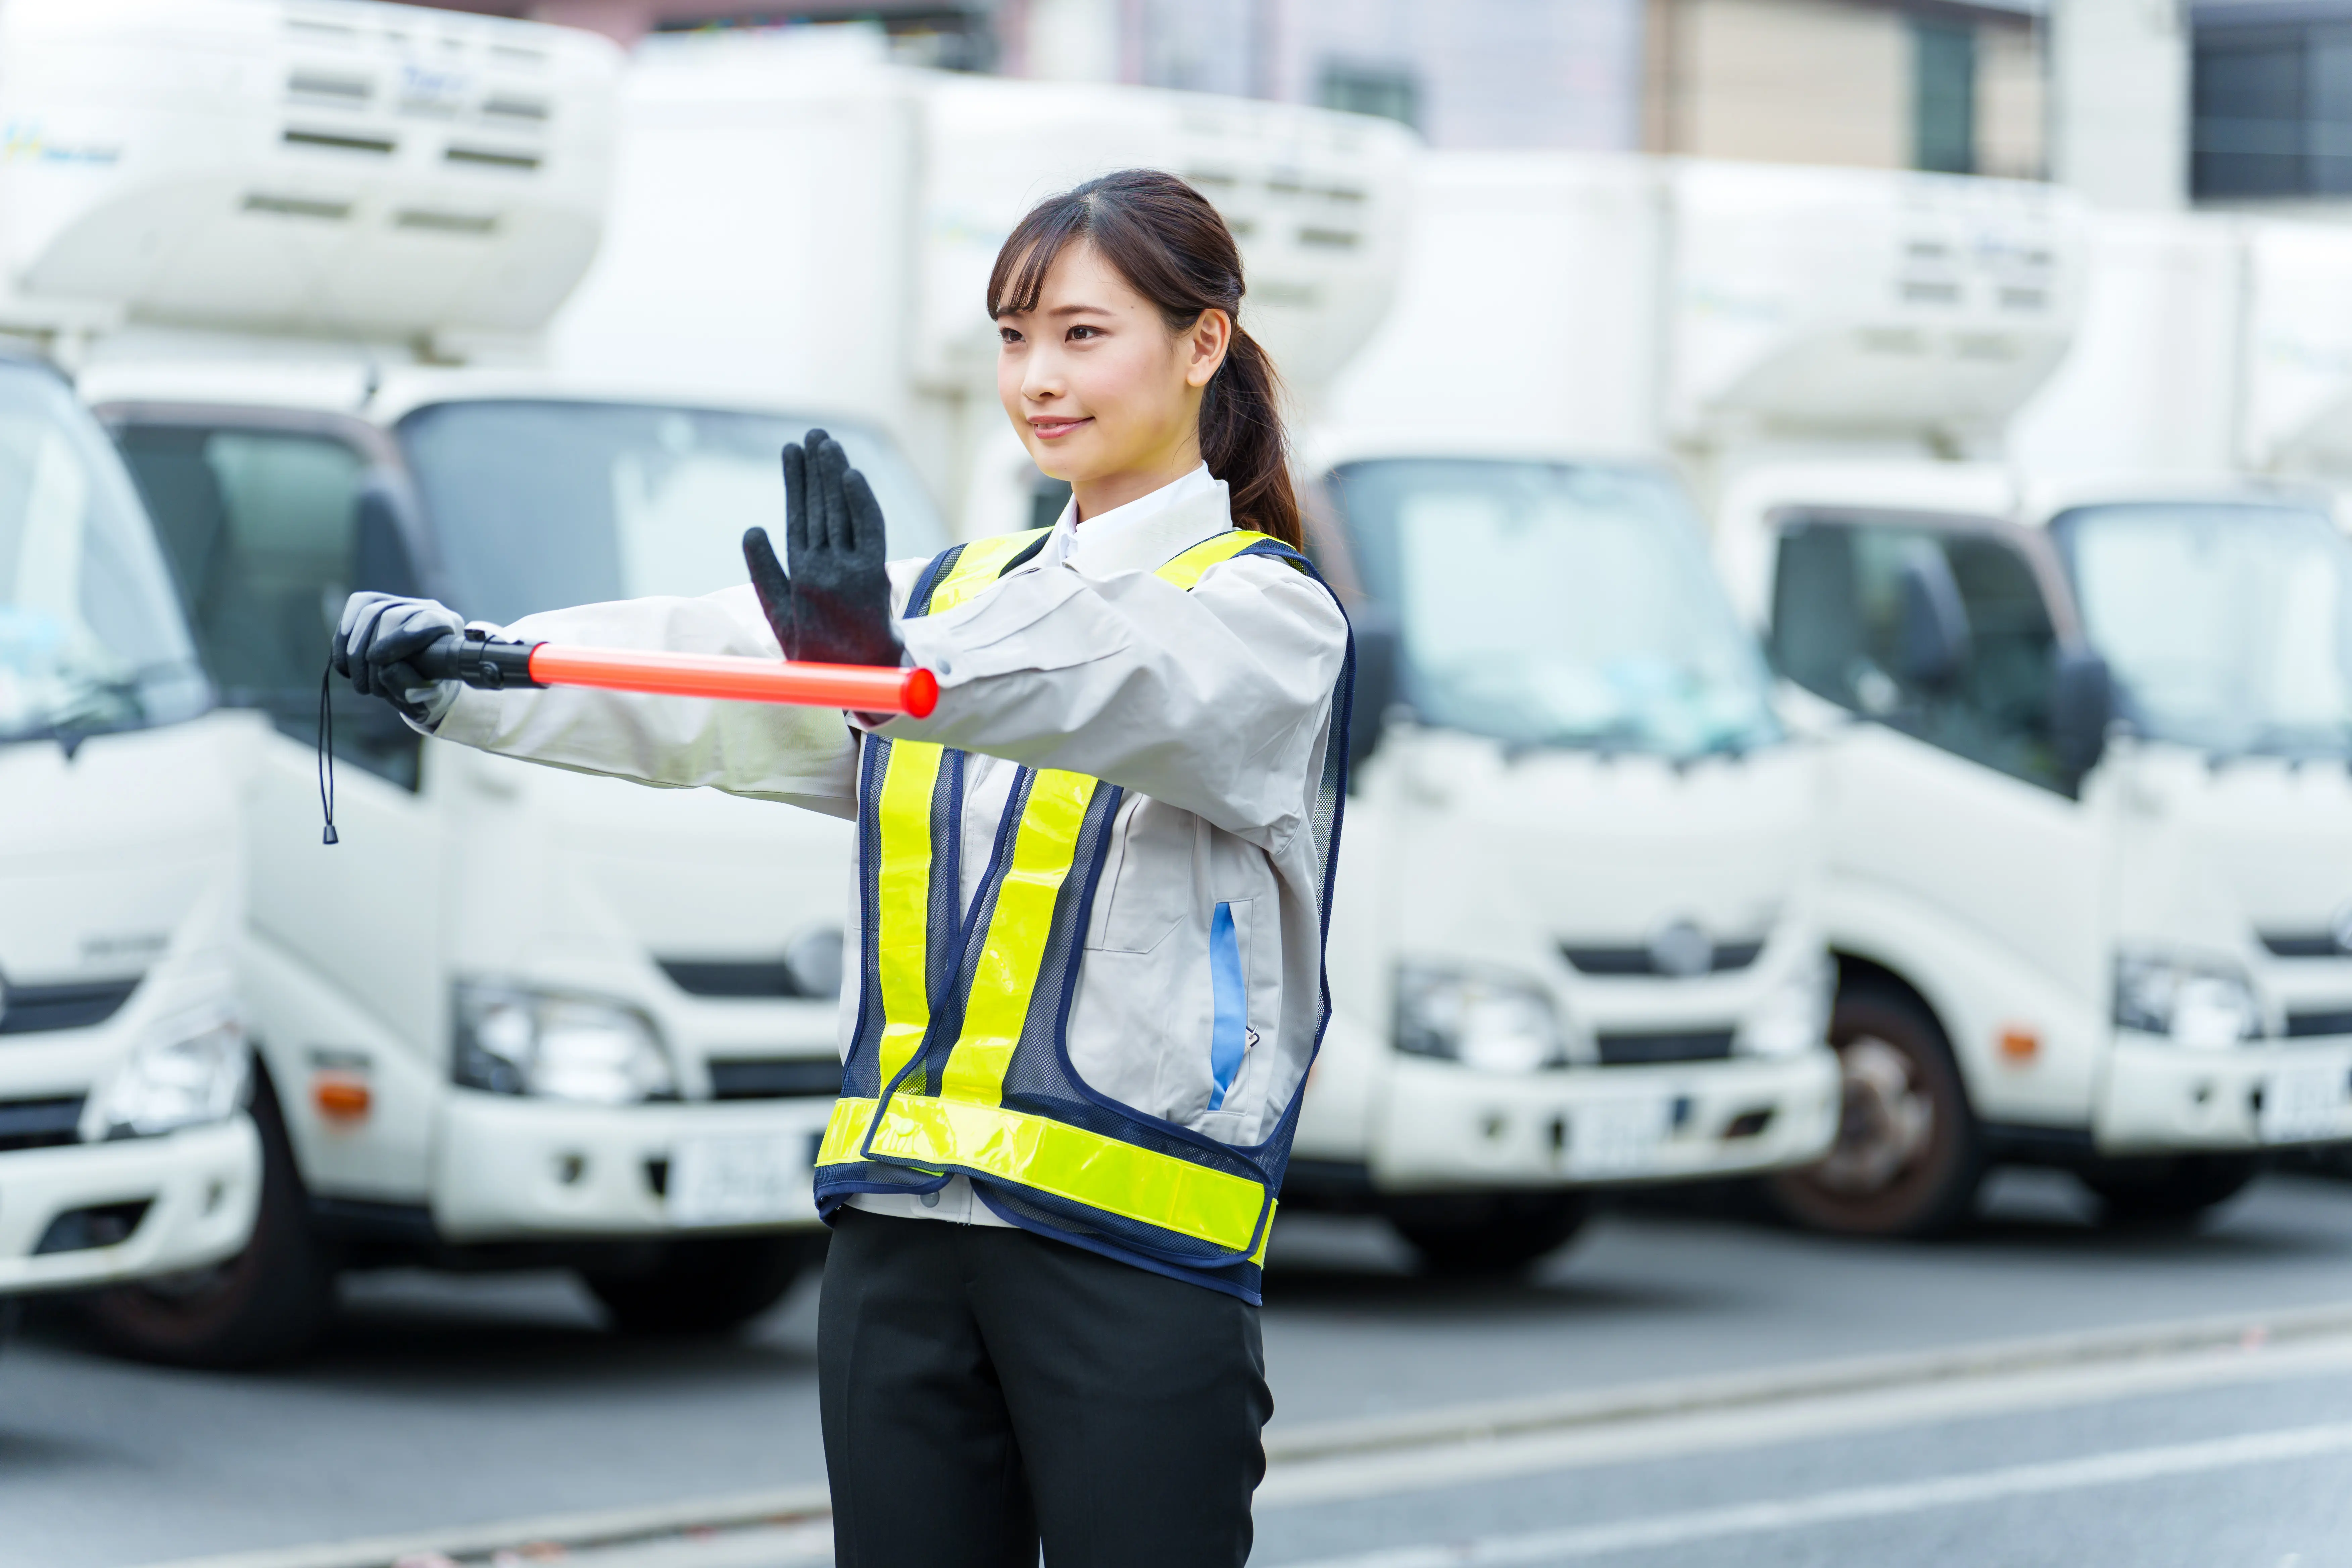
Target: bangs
<point>1030,251</point>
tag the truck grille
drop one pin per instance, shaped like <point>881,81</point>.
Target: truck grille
<point>1681,1046</point>
<point>2306,1024</point>
<point>775,1078</point>
<point>2304,944</point>
<point>36,1009</point>
<point>39,1124</point>
<point>1729,956</point>
<point>736,979</point>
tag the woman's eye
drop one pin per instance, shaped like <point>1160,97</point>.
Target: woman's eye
<point>1008,334</point>
<point>1084,331</point>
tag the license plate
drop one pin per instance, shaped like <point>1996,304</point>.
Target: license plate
<point>1617,1137</point>
<point>2303,1104</point>
<point>737,1180</point>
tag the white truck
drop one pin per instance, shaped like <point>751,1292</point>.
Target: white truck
<point>126,1149</point>
<point>1578,940</point>
<point>2091,829</point>
<point>298,255</point>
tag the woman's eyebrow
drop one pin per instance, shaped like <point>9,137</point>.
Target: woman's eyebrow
<point>1080,310</point>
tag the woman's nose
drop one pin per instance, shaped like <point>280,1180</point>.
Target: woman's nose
<point>1040,378</point>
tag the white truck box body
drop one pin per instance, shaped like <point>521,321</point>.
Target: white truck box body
<point>858,280</point>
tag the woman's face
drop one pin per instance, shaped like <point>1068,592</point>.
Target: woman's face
<point>1102,394</point>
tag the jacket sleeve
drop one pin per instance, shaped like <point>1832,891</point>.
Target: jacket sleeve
<point>804,756</point>
<point>1217,701</point>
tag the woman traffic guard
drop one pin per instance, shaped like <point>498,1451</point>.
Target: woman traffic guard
<point>1088,905</point>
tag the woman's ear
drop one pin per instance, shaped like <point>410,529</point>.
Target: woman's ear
<point>1206,341</point>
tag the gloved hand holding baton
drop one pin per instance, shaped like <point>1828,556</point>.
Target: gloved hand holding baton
<point>831,617</point>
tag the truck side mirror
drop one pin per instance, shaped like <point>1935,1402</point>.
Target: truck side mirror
<point>1376,681</point>
<point>2082,705</point>
<point>1932,639</point>
<point>380,559</point>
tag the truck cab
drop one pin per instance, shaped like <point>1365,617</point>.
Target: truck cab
<point>126,1148</point>
<point>1577,942</point>
<point>2124,711</point>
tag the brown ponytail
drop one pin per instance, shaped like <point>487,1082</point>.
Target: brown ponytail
<point>1173,247</point>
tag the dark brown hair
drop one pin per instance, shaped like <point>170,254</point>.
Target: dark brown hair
<point>1173,247</point>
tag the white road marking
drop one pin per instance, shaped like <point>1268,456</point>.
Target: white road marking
<point>1467,1462</point>
<point>1862,1502</point>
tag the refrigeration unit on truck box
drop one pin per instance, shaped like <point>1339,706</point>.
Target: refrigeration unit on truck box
<point>516,1015</point>
<point>1576,941</point>
<point>2090,820</point>
<point>857,279</point>
<point>126,1150</point>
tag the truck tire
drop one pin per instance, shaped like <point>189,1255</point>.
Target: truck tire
<point>268,1304</point>
<point>703,1287</point>
<point>1908,1160</point>
<point>2174,1190</point>
<point>1489,1233</point>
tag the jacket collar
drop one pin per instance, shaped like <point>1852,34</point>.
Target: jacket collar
<point>1146,532</point>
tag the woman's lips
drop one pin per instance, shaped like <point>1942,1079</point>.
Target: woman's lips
<point>1054,429</point>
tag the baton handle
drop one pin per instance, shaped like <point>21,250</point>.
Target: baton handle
<point>857,687</point>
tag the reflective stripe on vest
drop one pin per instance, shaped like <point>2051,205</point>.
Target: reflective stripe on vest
<point>964,1124</point>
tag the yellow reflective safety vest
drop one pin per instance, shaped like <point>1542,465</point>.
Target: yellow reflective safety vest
<point>959,1062</point>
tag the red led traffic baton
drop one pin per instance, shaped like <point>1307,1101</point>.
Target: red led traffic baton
<point>859,688</point>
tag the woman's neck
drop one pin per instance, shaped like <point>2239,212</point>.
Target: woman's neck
<point>1105,492</point>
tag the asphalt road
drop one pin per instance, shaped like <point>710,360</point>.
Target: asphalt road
<point>1732,1424</point>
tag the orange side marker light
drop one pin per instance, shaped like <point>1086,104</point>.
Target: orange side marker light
<point>341,1098</point>
<point>2020,1044</point>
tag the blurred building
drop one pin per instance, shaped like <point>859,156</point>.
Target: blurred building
<point>1929,84</point>
<point>2272,104</point>
<point>1954,88</point>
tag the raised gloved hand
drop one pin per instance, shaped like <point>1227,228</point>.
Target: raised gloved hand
<point>834,608</point>
<point>379,634</point>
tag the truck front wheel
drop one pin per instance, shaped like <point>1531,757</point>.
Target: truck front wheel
<point>1908,1160</point>
<point>2167,1191</point>
<point>1486,1233</point>
<point>703,1287</point>
<point>268,1304</point>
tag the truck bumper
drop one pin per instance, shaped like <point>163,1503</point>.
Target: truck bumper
<point>2159,1098</point>
<point>513,1169</point>
<point>186,1200</point>
<point>1445,1127</point>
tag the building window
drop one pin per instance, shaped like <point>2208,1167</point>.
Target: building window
<point>1944,97</point>
<point>1385,90</point>
<point>2273,111</point>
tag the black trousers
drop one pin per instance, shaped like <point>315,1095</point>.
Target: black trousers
<point>984,1388</point>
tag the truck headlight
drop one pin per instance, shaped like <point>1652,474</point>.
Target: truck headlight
<point>189,1074</point>
<point>2202,1006</point>
<point>512,1039</point>
<point>1491,1022</point>
<point>1794,1016</point>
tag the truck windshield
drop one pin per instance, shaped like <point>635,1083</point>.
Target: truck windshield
<point>2228,626</point>
<point>90,635</point>
<point>1547,604</point>
<point>543,504</point>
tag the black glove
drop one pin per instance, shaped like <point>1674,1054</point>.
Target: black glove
<point>377,636</point>
<point>835,606</point>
